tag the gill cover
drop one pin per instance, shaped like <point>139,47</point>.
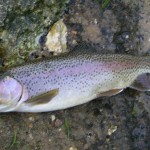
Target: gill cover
<point>10,93</point>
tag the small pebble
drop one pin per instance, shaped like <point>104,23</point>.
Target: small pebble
<point>95,21</point>
<point>53,118</point>
<point>31,136</point>
<point>112,129</point>
<point>74,32</point>
<point>73,148</point>
<point>30,125</point>
<point>74,42</point>
<point>50,140</point>
<point>125,35</point>
<point>59,129</point>
<point>31,119</point>
<point>58,123</point>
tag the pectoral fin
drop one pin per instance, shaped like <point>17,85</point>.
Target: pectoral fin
<point>43,98</point>
<point>111,92</point>
<point>142,83</point>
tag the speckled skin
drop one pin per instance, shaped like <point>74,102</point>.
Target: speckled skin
<point>79,78</point>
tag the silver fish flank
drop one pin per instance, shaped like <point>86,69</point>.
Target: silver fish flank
<point>68,80</point>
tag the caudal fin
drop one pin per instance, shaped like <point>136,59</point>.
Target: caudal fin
<point>142,82</point>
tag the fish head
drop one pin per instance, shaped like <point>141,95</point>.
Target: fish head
<point>10,93</point>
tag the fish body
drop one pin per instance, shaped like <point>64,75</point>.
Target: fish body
<point>69,80</point>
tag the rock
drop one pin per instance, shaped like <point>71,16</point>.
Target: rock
<point>53,117</point>
<point>21,22</point>
<point>58,123</point>
<point>112,129</point>
<point>73,148</point>
<point>56,39</point>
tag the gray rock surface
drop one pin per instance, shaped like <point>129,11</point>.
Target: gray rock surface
<point>22,23</point>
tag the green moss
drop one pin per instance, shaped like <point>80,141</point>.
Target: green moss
<point>105,3</point>
<point>134,112</point>
<point>66,125</point>
<point>14,140</point>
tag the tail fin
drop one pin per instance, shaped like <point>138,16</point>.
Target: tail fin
<point>142,82</point>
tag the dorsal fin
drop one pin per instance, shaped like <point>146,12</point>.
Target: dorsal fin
<point>141,83</point>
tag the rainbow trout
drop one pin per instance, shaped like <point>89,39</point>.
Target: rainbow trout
<point>65,81</point>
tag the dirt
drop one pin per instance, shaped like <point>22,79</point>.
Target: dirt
<point>112,123</point>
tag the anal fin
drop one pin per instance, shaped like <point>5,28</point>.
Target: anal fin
<point>43,98</point>
<point>111,92</point>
